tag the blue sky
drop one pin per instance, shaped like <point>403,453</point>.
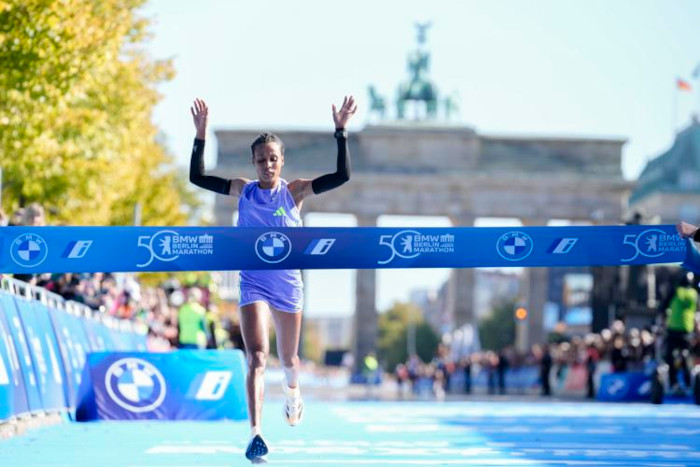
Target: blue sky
<point>598,68</point>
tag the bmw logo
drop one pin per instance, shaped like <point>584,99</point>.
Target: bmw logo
<point>273,247</point>
<point>135,385</point>
<point>514,246</point>
<point>29,250</point>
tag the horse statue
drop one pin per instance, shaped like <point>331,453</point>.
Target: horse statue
<point>451,106</point>
<point>376,102</point>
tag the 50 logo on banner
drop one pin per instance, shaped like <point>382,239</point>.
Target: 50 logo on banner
<point>409,244</point>
<point>168,245</point>
<point>653,243</point>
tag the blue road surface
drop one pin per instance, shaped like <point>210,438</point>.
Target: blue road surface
<point>387,433</point>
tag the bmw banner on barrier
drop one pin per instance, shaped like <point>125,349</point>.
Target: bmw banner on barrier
<point>180,385</point>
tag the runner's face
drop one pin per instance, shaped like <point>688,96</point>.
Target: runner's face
<point>268,161</point>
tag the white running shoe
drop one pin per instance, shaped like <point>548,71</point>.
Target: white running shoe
<point>293,406</point>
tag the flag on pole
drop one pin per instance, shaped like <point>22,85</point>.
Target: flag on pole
<point>683,85</point>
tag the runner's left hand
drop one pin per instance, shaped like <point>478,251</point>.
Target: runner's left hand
<point>342,117</point>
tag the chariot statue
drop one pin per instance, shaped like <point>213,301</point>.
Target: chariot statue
<point>418,88</point>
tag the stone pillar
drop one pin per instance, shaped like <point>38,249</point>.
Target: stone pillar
<point>365,336</point>
<point>605,297</point>
<point>461,287</point>
<point>534,287</point>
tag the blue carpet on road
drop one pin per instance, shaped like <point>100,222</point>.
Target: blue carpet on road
<point>386,433</point>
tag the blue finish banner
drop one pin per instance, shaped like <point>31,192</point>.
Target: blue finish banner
<point>13,396</point>
<point>95,249</point>
<point>179,385</point>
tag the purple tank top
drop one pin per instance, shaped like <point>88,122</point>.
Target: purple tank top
<point>270,208</point>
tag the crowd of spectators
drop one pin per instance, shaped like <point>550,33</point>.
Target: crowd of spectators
<point>123,296</point>
<point>565,365</point>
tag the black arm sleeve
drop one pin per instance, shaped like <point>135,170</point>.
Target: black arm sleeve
<point>696,236</point>
<point>342,173</point>
<point>209,182</point>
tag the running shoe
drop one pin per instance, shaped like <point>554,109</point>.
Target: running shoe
<point>293,406</point>
<point>256,450</point>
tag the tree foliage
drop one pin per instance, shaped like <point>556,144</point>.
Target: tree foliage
<point>393,333</point>
<point>498,329</point>
<point>76,96</point>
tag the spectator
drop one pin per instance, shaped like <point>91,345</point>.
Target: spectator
<point>17,217</point>
<point>33,216</point>
<point>413,366</point>
<point>545,370</point>
<point>680,324</point>
<point>441,364</point>
<point>211,320</point>
<point>501,368</point>
<point>369,368</point>
<point>439,383</point>
<point>190,321</point>
<point>648,345</point>
<point>619,355</point>
<point>401,378</point>
<point>592,357</point>
<point>236,337</point>
<point>467,368</point>
<point>491,363</point>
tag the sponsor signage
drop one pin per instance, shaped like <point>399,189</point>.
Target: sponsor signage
<point>180,385</point>
<point>96,249</point>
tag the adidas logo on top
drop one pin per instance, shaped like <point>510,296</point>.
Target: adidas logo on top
<point>280,212</point>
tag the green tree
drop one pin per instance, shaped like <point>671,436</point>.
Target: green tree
<point>498,329</point>
<point>76,96</point>
<point>393,330</point>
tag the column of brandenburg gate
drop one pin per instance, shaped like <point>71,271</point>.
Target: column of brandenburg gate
<point>427,169</point>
